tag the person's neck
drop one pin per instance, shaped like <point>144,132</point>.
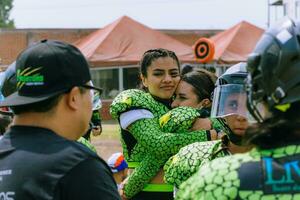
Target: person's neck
<point>47,121</point>
<point>233,148</point>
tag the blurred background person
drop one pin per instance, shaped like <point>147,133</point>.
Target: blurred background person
<point>95,124</point>
<point>119,168</point>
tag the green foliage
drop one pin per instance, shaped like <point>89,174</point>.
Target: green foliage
<point>5,8</point>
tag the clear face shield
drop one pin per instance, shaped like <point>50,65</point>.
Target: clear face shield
<point>230,99</point>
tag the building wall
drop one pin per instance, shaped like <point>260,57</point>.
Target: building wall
<point>12,42</point>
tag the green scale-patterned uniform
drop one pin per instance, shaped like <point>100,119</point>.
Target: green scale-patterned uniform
<point>256,175</point>
<point>190,158</point>
<point>150,141</point>
<point>87,143</point>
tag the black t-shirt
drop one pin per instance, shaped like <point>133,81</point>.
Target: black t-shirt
<point>90,185</point>
<point>35,163</point>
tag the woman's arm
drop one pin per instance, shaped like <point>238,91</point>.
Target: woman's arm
<point>143,174</point>
<point>148,133</point>
<point>188,160</point>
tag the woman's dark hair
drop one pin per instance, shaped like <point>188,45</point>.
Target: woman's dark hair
<point>281,129</point>
<point>186,69</point>
<point>153,54</point>
<point>202,81</point>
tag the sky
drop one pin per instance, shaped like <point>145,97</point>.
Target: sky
<point>157,14</point>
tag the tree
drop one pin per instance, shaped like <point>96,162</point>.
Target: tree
<point>5,8</point>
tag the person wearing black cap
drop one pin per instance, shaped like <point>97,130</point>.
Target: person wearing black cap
<point>52,106</point>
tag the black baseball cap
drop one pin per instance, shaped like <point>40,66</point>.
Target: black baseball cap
<point>46,69</point>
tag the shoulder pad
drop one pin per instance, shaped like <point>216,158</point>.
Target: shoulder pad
<point>134,99</point>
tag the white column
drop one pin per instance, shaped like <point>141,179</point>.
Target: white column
<point>121,86</point>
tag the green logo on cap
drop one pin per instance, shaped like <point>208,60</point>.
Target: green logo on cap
<point>28,77</point>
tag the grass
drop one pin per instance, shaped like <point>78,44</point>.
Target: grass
<point>109,141</point>
<point>109,131</point>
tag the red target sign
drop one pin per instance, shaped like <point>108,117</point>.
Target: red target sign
<point>204,50</point>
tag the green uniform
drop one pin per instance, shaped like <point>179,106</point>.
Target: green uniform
<point>148,143</point>
<point>190,158</point>
<point>87,143</point>
<point>258,174</point>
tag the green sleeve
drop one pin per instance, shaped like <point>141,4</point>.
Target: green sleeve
<point>143,174</point>
<point>135,99</point>
<point>148,133</point>
<point>188,160</point>
<point>178,119</point>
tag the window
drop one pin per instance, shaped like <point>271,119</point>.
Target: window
<point>113,80</point>
<point>108,80</point>
<point>130,78</point>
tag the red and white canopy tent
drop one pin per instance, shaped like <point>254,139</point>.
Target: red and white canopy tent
<point>228,47</point>
<point>124,41</point>
<point>236,43</point>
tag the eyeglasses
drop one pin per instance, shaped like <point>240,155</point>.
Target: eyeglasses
<point>89,87</point>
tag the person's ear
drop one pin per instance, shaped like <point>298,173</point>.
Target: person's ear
<point>73,98</point>
<point>205,103</point>
<point>144,80</point>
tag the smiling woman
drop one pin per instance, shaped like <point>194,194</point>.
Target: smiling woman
<point>162,77</point>
<point>146,147</point>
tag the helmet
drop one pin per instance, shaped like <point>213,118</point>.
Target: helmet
<point>274,67</point>
<point>8,80</point>
<point>7,86</point>
<point>230,98</point>
<point>230,94</point>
